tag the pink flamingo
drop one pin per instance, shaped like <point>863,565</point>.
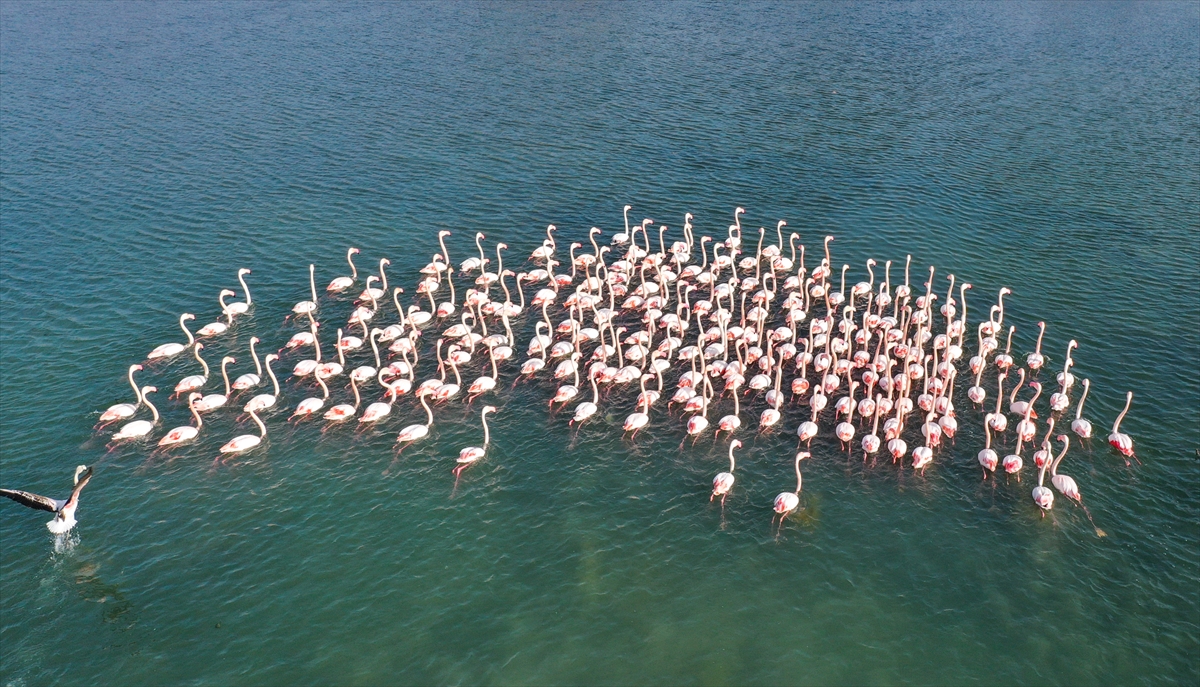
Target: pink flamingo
<point>787,501</point>
<point>1119,441</point>
<point>723,482</point>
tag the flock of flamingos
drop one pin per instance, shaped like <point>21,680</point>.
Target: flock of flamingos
<point>722,323</point>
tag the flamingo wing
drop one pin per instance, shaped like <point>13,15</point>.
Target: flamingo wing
<point>34,500</point>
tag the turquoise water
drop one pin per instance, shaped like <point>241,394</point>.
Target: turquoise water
<point>149,150</point>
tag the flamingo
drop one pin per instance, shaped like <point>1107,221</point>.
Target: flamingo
<point>588,408</point>
<point>988,457</point>
<point>415,432</point>
<point>373,294</point>
<point>1042,496</point>
<point>1080,426</point>
<point>265,401</point>
<point>251,379</point>
<point>639,419</point>
<point>64,511</point>
<point>238,307</point>
<point>362,373</point>
<point>120,411</point>
<point>1119,441</point>
<point>472,454</point>
<point>214,401</point>
<point>723,482</point>
<point>344,411</point>
<point>787,501</point>
<point>1035,360</point>
<point>217,328</point>
<point>308,307</point>
<point>186,432</point>
<point>193,382</point>
<point>340,284</point>
<point>245,442</point>
<point>1012,462</point>
<point>1063,483</point>
<point>332,369</point>
<point>170,350</point>
<point>379,410</point>
<point>311,405</point>
<point>139,428</point>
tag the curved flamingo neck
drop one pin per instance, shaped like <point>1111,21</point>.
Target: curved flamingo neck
<point>261,427</point>
<point>428,412</point>
<point>487,436</point>
<point>242,279</point>
<point>271,374</point>
<point>196,353</point>
<point>136,391</point>
<point>1117,423</point>
<point>191,339</point>
<point>1079,410</point>
<point>225,374</point>
<point>153,410</point>
<point>195,413</point>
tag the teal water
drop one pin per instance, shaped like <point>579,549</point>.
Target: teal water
<point>149,150</point>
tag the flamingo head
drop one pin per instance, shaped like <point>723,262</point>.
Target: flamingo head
<point>135,367</point>
<point>735,444</point>
<point>270,357</point>
<point>187,316</point>
<point>443,233</point>
<point>354,251</point>
<point>227,292</point>
<point>255,339</point>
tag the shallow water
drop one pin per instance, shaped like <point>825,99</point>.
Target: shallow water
<point>150,150</point>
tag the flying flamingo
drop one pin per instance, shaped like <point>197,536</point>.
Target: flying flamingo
<point>121,411</point>
<point>787,501</point>
<point>723,482</point>
<point>245,442</point>
<point>186,432</point>
<point>471,454</point>
<point>1119,441</point>
<point>64,511</point>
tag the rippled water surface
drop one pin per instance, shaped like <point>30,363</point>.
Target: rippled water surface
<point>149,150</point>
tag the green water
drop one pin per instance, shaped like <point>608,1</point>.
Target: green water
<point>149,150</point>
